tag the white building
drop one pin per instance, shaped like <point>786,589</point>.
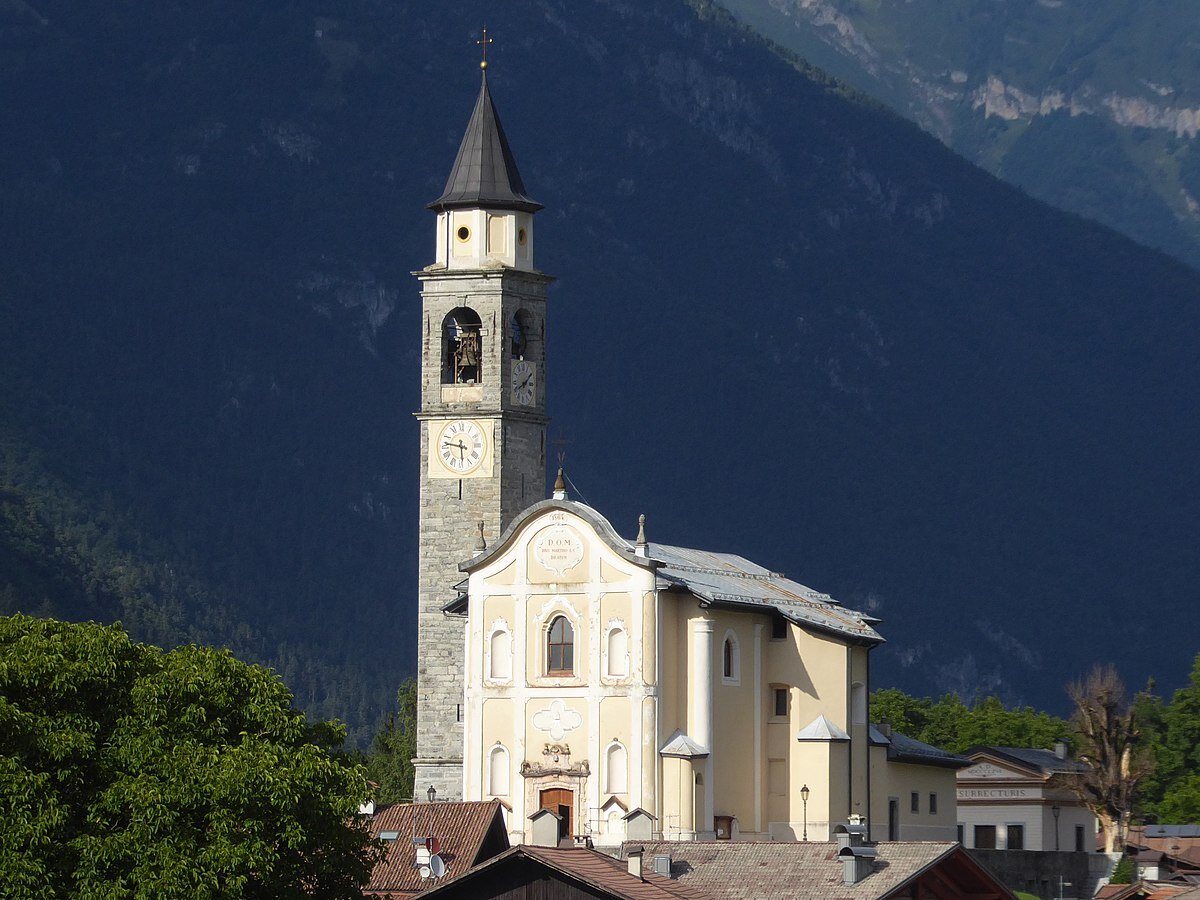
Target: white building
<point>1012,798</point>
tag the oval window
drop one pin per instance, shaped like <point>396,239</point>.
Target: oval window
<point>521,236</point>
<point>464,233</point>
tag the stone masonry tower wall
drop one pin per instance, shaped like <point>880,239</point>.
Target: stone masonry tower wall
<point>482,416</point>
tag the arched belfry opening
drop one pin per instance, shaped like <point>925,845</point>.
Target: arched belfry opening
<point>519,334</point>
<point>461,347</point>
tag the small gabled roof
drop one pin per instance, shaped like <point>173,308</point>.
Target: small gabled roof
<point>821,729</point>
<point>681,746</point>
<point>726,579</point>
<point>468,832</point>
<point>1043,762</point>
<point>485,173</point>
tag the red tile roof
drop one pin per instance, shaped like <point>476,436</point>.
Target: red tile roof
<point>464,831</point>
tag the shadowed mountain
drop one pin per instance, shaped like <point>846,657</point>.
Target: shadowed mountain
<point>788,324</point>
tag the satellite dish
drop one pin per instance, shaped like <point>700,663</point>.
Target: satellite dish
<point>424,871</point>
<point>437,866</point>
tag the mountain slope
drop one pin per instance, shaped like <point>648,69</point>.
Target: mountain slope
<point>1094,108</point>
<point>788,324</point>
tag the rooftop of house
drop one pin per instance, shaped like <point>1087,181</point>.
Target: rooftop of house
<point>902,748</point>
<point>1180,843</point>
<point>466,832</point>
<point>1043,762</point>
<point>753,870</point>
<point>599,872</point>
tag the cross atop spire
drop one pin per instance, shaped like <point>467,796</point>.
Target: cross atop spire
<point>483,44</point>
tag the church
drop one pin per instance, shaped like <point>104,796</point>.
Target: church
<point>601,687</point>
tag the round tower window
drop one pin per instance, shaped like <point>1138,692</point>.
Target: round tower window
<point>464,233</point>
<point>521,236</point>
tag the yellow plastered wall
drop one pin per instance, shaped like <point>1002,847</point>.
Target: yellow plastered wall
<point>738,719</point>
<point>901,780</point>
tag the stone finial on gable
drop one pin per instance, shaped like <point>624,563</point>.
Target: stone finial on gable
<point>642,548</point>
<point>480,542</point>
<point>560,485</point>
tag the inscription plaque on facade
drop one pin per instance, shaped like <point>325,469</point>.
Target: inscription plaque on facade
<point>559,549</point>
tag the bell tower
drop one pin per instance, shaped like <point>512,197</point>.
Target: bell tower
<point>483,412</point>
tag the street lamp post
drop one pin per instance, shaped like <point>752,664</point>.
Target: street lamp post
<point>1057,810</point>
<point>804,797</point>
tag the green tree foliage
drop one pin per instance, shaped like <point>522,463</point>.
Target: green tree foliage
<point>389,764</point>
<point>1171,729</point>
<point>1123,872</point>
<point>128,771</point>
<point>953,725</point>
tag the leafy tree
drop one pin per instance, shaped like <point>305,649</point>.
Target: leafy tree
<point>951,724</point>
<point>1171,732</point>
<point>128,771</point>
<point>1110,742</point>
<point>1123,871</point>
<point>389,764</point>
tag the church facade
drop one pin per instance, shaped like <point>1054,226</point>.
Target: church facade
<point>597,685</point>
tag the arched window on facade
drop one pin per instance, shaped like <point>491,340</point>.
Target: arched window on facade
<point>617,664</point>
<point>560,647</point>
<point>730,661</point>
<point>500,656</point>
<point>616,774</point>
<point>498,771</point>
<point>462,347</point>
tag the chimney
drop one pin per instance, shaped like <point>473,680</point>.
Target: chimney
<point>662,865</point>
<point>885,728</point>
<point>635,861</point>
<point>1060,748</point>
<point>857,863</point>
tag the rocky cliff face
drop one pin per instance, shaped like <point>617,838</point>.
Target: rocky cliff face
<point>981,79</point>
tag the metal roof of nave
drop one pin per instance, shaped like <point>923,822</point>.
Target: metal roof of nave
<point>731,580</point>
<point>724,579</point>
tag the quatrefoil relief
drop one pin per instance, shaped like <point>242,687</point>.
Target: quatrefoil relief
<point>557,719</point>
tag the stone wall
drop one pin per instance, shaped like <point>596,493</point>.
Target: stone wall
<point>1039,872</point>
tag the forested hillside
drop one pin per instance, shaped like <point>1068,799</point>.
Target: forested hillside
<point>787,324</point>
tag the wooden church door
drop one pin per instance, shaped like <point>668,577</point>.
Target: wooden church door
<point>561,801</point>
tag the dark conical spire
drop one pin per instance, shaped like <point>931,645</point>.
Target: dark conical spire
<point>485,173</point>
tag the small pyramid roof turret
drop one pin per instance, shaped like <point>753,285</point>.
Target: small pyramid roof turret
<point>485,172</point>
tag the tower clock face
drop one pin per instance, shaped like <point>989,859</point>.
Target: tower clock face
<point>524,382</point>
<point>461,446</point>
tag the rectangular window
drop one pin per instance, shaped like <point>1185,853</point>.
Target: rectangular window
<point>915,802</point>
<point>781,702</point>
<point>932,804</point>
<point>1016,837</point>
<point>778,628</point>
<point>1078,838</point>
<point>962,837</point>
<point>985,837</point>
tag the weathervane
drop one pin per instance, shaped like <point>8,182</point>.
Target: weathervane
<point>483,44</point>
<point>562,442</point>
